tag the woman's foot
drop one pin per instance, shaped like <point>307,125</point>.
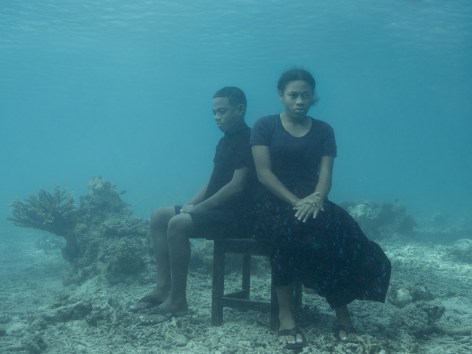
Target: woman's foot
<point>292,338</point>
<point>343,325</point>
<point>289,334</point>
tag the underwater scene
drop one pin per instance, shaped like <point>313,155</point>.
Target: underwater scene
<point>108,112</point>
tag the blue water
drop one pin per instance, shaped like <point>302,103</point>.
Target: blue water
<point>122,89</point>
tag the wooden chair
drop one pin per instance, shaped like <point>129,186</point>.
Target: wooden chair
<point>241,299</point>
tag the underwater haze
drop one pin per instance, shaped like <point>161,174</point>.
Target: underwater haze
<point>122,89</point>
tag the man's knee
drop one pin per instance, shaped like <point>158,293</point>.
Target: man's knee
<point>160,217</point>
<point>180,225</point>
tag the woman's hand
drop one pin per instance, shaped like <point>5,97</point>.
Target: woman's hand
<point>308,206</point>
<point>186,208</point>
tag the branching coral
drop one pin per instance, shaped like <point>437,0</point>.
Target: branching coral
<point>53,212</point>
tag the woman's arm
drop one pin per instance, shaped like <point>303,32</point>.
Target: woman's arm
<point>325,177</point>
<point>312,204</point>
<point>265,175</point>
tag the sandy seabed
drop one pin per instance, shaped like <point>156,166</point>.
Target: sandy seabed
<point>429,309</point>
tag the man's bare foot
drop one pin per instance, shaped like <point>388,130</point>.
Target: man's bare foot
<point>177,308</point>
<point>154,298</point>
<point>152,319</point>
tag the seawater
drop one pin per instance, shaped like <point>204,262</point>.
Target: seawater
<point>123,90</point>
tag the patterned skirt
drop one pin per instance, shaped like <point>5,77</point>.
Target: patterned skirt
<point>330,254</point>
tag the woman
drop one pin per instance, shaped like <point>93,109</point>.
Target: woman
<point>313,239</point>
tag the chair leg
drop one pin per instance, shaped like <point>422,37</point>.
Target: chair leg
<point>218,287</point>
<point>298,294</point>
<point>274,306</point>
<point>246,282</point>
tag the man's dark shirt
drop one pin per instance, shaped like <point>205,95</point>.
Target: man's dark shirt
<point>232,152</point>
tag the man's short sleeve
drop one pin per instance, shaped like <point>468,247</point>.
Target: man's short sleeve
<point>243,156</point>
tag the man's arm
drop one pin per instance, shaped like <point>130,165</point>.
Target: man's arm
<point>197,198</point>
<point>229,190</point>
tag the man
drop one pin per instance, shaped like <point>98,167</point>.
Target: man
<point>215,211</point>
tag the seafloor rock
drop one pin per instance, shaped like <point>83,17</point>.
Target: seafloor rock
<point>420,292</point>
<point>418,318</point>
<point>380,220</point>
<point>68,312</point>
<point>462,250</point>
<point>34,344</point>
<point>401,297</point>
<point>404,294</point>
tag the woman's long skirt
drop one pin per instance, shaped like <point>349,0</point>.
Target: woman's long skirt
<point>330,254</point>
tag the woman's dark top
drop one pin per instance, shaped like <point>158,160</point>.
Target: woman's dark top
<point>295,160</point>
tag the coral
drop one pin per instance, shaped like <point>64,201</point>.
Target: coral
<point>119,226</point>
<point>462,250</point>
<point>101,235</point>
<point>102,200</point>
<point>419,318</point>
<point>124,258</point>
<point>418,310</point>
<point>380,220</point>
<point>54,212</point>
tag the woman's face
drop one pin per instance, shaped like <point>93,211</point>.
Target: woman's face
<point>297,98</point>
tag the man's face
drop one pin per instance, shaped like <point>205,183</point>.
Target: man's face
<point>226,115</point>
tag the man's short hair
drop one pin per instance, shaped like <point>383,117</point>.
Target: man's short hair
<point>235,95</point>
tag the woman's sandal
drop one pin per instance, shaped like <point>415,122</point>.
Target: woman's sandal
<point>347,329</point>
<point>294,332</point>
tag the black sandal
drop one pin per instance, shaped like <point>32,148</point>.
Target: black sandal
<point>294,332</point>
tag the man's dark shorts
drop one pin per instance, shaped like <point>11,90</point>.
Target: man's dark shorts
<point>214,223</point>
